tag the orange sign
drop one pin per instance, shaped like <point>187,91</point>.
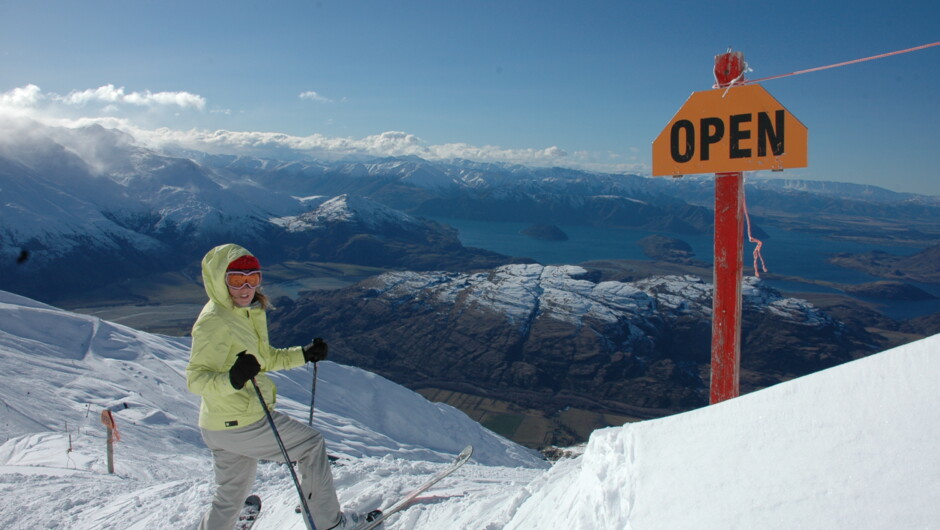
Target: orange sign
<point>725,130</point>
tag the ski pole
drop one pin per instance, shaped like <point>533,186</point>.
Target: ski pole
<point>313,392</point>
<point>280,443</point>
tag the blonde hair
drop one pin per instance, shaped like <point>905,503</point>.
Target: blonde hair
<point>263,300</point>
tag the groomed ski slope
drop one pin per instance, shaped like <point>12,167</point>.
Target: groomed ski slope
<point>851,447</point>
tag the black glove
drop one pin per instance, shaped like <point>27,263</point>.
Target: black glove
<point>316,350</point>
<point>244,369</point>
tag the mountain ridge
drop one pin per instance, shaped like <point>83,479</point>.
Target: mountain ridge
<point>92,195</point>
<point>548,337</point>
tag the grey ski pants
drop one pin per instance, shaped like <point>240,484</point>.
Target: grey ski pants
<point>236,453</point>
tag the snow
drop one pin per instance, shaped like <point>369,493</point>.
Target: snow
<point>850,447</point>
<point>521,292</point>
<point>348,209</point>
<point>66,188</point>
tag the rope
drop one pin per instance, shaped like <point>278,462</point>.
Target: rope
<point>844,63</point>
<point>740,80</point>
<point>752,239</point>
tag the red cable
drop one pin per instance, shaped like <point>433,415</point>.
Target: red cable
<point>752,239</point>
<point>750,81</point>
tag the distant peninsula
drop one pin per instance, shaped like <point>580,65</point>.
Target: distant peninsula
<point>889,290</point>
<point>921,267</point>
<point>545,232</point>
<point>664,248</point>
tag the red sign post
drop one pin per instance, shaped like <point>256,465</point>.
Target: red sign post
<point>729,261</point>
<point>733,128</point>
<point>726,302</point>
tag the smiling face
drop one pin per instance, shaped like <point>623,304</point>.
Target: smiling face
<point>242,286</point>
<point>242,297</point>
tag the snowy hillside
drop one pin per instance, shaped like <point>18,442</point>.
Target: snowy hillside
<point>849,447</point>
<point>66,368</point>
<point>522,292</point>
<point>365,214</point>
<point>95,186</point>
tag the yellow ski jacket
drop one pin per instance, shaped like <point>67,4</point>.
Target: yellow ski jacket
<point>219,334</point>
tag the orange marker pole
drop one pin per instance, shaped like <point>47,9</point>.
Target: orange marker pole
<point>108,421</point>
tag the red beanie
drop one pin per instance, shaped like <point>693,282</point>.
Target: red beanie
<point>245,263</point>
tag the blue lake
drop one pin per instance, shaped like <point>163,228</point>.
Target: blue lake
<point>785,253</point>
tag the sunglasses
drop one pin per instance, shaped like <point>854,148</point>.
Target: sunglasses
<point>241,280</point>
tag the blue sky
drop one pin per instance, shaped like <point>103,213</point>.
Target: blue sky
<point>586,84</point>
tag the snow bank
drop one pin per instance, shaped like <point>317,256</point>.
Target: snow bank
<point>851,447</point>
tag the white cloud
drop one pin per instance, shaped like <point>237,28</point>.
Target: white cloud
<point>109,106</point>
<point>109,94</point>
<point>389,143</point>
<point>107,98</point>
<point>314,96</point>
<point>27,96</point>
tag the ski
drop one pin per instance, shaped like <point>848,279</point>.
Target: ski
<point>249,513</point>
<point>408,499</point>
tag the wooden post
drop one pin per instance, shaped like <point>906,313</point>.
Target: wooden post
<point>728,261</point>
<point>108,421</point>
<point>110,451</point>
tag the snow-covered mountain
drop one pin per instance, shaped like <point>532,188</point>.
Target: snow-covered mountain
<point>53,201</point>
<point>82,207</point>
<point>90,205</point>
<point>499,177</point>
<point>91,196</point>
<point>562,336</point>
<point>358,213</point>
<point>78,187</point>
<point>512,193</point>
<point>845,190</point>
<point>853,446</point>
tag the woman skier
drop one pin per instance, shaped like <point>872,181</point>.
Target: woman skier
<point>230,353</point>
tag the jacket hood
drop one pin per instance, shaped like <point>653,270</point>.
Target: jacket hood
<point>214,265</point>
